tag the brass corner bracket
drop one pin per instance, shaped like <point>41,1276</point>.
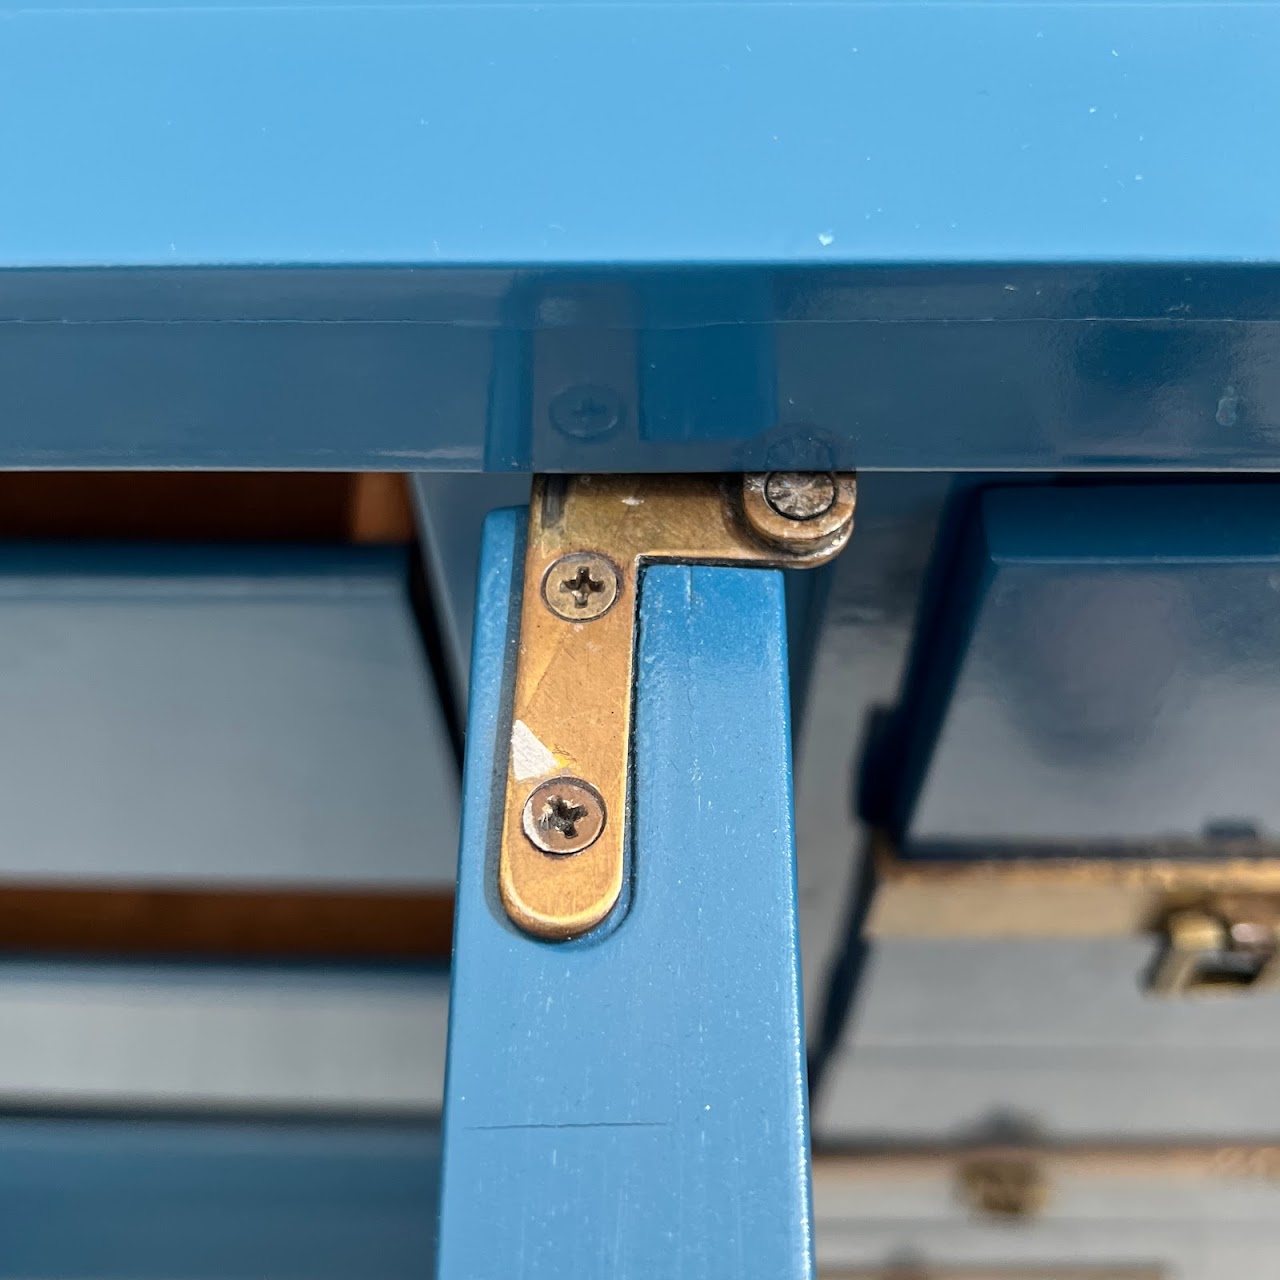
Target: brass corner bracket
<point>563,837</point>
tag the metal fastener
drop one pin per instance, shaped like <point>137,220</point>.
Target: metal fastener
<point>590,539</point>
<point>800,495</point>
<point>801,512</point>
<point>564,816</point>
<point>1003,1186</point>
<point>1228,946</point>
<point>586,412</point>
<point>581,586</point>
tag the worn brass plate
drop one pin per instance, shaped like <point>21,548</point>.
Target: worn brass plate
<point>1183,1162</point>
<point>573,685</point>
<point>1070,896</point>
<point>924,1271</point>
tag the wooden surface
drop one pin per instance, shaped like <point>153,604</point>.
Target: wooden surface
<point>264,506</point>
<point>285,922</point>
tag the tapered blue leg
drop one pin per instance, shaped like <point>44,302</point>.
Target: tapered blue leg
<point>633,1104</point>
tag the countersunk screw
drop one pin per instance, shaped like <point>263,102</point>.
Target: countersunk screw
<point>563,816</point>
<point>586,412</point>
<point>800,495</point>
<point>580,586</point>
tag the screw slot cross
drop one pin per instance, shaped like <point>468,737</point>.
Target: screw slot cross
<point>582,586</point>
<point>589,411</point>
<point>559,814</point>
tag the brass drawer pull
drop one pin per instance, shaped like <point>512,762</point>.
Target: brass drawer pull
<point>1225,948</point>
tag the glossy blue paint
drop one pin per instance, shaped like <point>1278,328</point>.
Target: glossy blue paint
<point>216,1199</point>
<point>178,132</point>
<point>954,236</point>
<point>711,367</point>
<point>633,1103</point>
<point>1102,670</point>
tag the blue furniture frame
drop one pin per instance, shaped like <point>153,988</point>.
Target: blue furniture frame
<point>955,235</point>
<point>633,1103</point>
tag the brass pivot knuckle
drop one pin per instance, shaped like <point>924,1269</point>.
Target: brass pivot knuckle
<point>560,868</point>
<point>1007,1187</point>
<point>1228,946</point>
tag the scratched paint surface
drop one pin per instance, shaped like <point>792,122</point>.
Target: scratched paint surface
<point>633,1104</point>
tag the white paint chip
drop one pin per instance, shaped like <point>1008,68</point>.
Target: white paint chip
<point>530,758</point>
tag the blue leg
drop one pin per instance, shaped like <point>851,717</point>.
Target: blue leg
<point>633,1104</point>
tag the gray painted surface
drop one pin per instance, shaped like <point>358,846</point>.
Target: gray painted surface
<point>1196,1229</point>
<point>150,1036</point>
<point>957,1038</point>
<point>257,716</point>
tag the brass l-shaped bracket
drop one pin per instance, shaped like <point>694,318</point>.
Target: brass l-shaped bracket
<point>563,838</point>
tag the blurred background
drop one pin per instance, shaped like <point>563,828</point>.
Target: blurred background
<point>233,709</point>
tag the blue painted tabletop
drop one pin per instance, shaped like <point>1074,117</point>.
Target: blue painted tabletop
<point>952,235</point>
<point>841,131</point>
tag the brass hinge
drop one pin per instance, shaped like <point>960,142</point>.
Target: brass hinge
<point>561,863</point>
<point>1223,947</point>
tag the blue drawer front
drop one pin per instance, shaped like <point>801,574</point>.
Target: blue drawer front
<point>1105,671</point>
<point>257,715</point>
